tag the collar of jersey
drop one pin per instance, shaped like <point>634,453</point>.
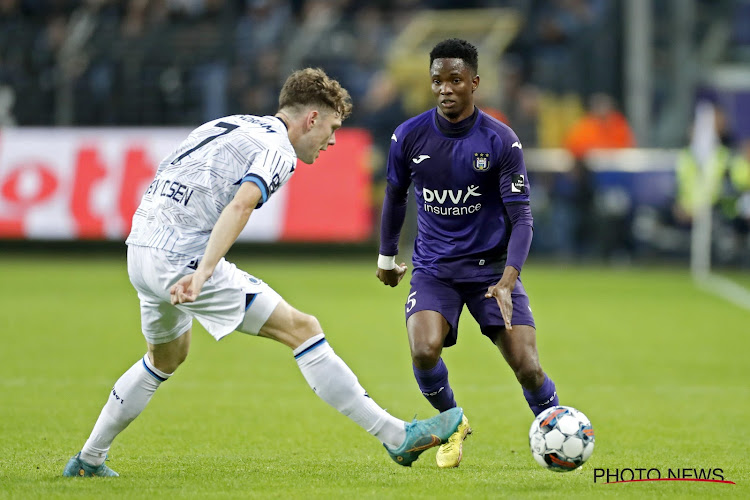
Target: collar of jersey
<point>474,126</point>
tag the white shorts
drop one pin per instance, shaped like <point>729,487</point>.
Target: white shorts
<point>230,300</point>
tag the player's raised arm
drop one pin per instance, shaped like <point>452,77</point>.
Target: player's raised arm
<point>393,215</point>
<point>232,220</point>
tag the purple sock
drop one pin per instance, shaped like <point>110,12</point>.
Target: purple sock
<point>542,398</point>
<point>435,387</point>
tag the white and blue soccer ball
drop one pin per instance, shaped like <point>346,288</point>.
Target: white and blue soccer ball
<point>561,438</point>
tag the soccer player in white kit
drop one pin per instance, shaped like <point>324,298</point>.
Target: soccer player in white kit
<point>189,217</point>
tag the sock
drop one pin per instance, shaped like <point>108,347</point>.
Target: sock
<point>127,399</point>
<point>334,383</point>
<point>435,387</point>
<point>542,398</point>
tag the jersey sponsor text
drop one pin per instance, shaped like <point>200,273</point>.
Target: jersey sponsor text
<point>441,196</point>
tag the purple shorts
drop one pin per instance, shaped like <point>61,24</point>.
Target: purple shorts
<point>448,297</point>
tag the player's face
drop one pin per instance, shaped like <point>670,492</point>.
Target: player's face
<point>453,85</point>
<point>321,134</point>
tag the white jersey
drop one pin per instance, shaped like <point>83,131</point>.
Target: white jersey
<point>198,179</point>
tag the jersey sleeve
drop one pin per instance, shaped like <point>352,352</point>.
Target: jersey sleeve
<point>394,203</point>
<point>397,171</point>
<point>514,181</point>
<point>514,191</point>
<point>269,170</point>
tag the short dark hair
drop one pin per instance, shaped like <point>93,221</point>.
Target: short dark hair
<point>311,86</point>
<point>455,48</point>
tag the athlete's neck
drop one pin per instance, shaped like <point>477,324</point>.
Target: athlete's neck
<point>284,119</point>
<point>456,129</point>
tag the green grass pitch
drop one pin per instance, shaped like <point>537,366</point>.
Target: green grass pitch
<point>660,367</point>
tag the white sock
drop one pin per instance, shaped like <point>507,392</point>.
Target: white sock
<point>335,384</point>
<point>127,399</point>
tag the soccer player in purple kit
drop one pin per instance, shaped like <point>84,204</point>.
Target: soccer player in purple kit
<point>474,233</point>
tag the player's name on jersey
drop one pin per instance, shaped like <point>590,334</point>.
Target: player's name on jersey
<point>171,189</point>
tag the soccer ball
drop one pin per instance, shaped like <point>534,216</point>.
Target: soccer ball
<point>561,438</point>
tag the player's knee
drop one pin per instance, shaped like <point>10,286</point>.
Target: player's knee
<point>530,375</point>
<point>306,325</point>
<point>181,357</point>
<point>425,356</point>
<point>170,364</point>
<point>168,360</point>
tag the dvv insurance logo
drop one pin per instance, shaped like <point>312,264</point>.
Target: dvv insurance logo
<point>642,474</point>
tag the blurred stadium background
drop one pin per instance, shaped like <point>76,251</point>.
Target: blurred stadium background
<point>601,92</point>
<point>603,95</point>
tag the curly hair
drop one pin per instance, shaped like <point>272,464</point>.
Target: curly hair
<point>455,48</point>
<point>311,86</point>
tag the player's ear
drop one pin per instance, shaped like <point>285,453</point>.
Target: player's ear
<point>312,117</point>
<point>474,83</point>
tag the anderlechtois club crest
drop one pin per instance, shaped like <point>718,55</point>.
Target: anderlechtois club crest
<point>481,162</point>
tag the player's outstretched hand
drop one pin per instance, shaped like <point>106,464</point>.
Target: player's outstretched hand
<point>187,288</point>
<point>392,277</point>
<point>504,301</point>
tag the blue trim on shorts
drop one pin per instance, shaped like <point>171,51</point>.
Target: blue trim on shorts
<point>315,345</point>
<point>249,301</point>
<point>157,377</point>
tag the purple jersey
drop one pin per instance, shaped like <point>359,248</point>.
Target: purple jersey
<point>462,186</point>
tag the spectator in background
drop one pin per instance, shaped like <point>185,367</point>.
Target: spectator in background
<point>47,45</point>
<point>256,91</point>
<point>203,46</point>
<point>381,112</point>
<point>689,178</point>
<point>722,180</point>
<point>523,114</point>
<point>372,37</point>
<point>739,180</point>
<point>141,61</point>
<point>347,38</point>
<point>739,169</point>
<point>489,107</point>
<point>261,27</point>
<point>258,42</point>
<point>558,28</point>
<point>96,25</point>
<point>602,127</point>
<point>317,32</point>
<point>595,46</point>
<point>519,101</point>
<point>7,99</point>
<point>16,36</point>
